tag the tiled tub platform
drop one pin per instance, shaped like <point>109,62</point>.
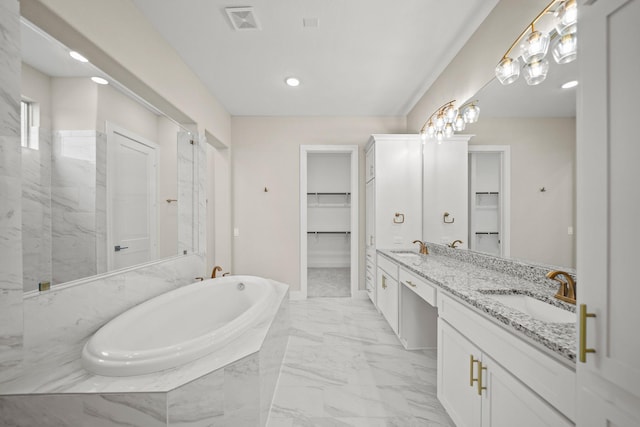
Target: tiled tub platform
<point>232,387</point>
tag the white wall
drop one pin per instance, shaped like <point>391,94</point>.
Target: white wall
<point>37,87</point>
<point>74,103</point>
<point>266,153</point>
<point>542,155</point>
<point>119,109</point>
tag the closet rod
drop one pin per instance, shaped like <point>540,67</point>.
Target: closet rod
<point>487,232</point>
<point>328,194</point>
<point>328,232</point>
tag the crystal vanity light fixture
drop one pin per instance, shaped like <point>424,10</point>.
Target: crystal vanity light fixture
<point>448,119</point>
<point>535,46</point>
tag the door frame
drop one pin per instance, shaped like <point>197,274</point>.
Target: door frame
<point>505,190</point>
<point>354,226</point>
<point>111,130</point>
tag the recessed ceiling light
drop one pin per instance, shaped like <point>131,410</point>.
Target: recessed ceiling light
<point>292,81</point>
<point>78,57</point>
<point>99,80</point>
<point>569,85</point>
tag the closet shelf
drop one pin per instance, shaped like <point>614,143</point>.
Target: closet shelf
<point>328,232</point>
<point>330,205</point>
<point>328,194</point>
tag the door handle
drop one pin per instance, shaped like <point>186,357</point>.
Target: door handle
<point>384,282</point>
<point>118,248</point>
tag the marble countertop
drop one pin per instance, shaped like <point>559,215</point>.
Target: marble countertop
<point>474,285</point>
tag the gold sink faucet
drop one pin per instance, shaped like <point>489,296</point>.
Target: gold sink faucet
<point>454,243</point>
<point>423,247</point>
<point>567,290</point>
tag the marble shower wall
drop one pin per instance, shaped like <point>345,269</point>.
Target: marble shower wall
<point>36,212</point>
<point>187,169</point>
<point>74,205</point>
<point>11,327</point>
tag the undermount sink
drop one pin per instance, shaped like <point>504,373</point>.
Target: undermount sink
<point>535,308</point>
<point>406,254</point>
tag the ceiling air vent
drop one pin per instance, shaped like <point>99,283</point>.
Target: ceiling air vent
<point>242,18</point>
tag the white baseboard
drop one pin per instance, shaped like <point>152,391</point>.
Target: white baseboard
<point>296,296</point>
<point>360,294</point>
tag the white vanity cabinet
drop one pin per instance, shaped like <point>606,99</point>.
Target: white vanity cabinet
<point>487,377</point>
<point>608,212</point>
<point>393,172</point>
<point>387,291</point>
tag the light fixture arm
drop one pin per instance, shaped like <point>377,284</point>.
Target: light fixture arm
<point>441,108</point>
<point>530,27</point>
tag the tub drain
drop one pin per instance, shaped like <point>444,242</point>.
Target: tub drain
<point>241,286</point>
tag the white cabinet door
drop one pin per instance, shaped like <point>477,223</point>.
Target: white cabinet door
<point>506,402</point>
<point>370,219</point>
<point>387,297</point>
<point>597,411</point>
<point>608,201</point>
<point>370,167</point>
<point>457,390</point>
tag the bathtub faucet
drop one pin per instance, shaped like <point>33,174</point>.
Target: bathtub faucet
<point>215,270</point>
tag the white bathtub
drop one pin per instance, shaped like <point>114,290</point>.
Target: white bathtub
<point>177,327</point>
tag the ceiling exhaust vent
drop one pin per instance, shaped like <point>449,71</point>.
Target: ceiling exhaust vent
<point>242,18</point>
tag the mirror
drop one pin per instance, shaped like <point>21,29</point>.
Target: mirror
<point>538,125</point>
<point>100,171</point>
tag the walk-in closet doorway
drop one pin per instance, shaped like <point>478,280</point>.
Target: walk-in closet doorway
<point>328,221</point>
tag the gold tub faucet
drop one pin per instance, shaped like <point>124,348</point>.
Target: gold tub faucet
<point>423,247</point>
<point>567,290</point>
<point>215,270</point>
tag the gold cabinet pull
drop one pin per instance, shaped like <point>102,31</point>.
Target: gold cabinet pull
<point>472,360</point>
<point>410,283</point>
<point>384,282</point>
<point>480,386</point>
<point>583,333</point>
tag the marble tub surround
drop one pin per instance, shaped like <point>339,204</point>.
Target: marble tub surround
<point>473,284</point>
<point>59,321</point>
<point>59,370</point>
<point>210,391</point>
<point>11,324</point>
<point>519,268</point>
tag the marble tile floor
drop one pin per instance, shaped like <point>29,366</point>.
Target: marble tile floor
<point>328,282</point>
<point>344,366</point>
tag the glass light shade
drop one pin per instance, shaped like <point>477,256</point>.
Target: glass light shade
<point>440,122</point>
<point>423,135</point>
<point>565,49</point>
<point>566,17</point>
<point>471,113</point>
<point>439,136</point>
<point>431,129</point>
<point>508,71</point>
<point>448,130</point>
<point>536,72</point>
<point>535,47</point>
<point>450,113</point>
<point>459,124</point>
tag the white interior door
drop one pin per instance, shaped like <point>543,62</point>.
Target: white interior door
<point>132,200</point>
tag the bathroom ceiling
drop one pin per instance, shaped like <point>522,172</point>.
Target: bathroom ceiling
<point>364,57</point>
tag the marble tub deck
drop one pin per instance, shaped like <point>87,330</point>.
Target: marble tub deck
<point>233,386</point>
<point>472,284</point>
<point>344,366</point>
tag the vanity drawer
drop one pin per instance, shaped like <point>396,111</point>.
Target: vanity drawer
<point>420,286</point>
<point>388,266</point>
